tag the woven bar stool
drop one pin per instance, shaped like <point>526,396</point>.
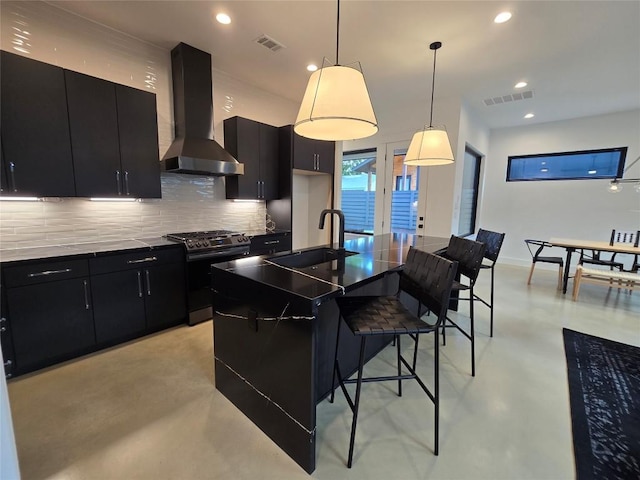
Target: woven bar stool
<point>493,244</point>
<point>469,255</point>
<point>427,278</point>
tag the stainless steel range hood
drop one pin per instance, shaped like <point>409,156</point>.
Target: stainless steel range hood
<point>194,151</point>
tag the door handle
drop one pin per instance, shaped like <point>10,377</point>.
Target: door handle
<point>12,169</point>
<point>126,182</point>
<point>148,283</point>
<point>86,295</point>
<point>142,260</point>
<point>118,182</point>
<point>48,272</point>
<point>139,284</point>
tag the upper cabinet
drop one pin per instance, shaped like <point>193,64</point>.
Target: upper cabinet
<point>255,145</point>
<point>36,147</point>
<point>138,130</point>
<point>67,134</point>
<point>307,154</point>
<point>114,138</point>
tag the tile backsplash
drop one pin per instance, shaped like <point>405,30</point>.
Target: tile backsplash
<point>189,203</point>
<point>44,32</point>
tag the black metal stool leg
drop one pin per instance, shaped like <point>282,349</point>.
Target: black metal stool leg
<point>473,336</point>
<point>335,364</point>
<point>363,343</point>
<point>491,307</point>
<point>397,337</point>
<point>436,393</point>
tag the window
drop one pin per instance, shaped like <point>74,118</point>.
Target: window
<point>358,190</point>
<point>583,165</point>
<point>469,194</point>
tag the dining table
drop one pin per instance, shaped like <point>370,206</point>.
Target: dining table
<point>571,245</point>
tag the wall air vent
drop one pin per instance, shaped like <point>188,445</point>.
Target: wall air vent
<point>508,98</point>
<point>270,43</point>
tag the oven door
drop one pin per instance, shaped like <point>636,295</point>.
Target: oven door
<point>199,280</point>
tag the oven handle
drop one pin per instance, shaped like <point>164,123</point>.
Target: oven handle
<point>221,254</point>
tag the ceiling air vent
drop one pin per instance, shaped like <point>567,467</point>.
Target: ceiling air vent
<point>270,43</point>
<point>508,98</point>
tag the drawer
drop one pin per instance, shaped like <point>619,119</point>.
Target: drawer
<point>116,262</point>
<point>270,243</point>
<point>41,272</point>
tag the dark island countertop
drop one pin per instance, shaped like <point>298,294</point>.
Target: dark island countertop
<point>376,255</point>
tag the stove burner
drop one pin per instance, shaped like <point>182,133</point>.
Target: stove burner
<point>214,242</point>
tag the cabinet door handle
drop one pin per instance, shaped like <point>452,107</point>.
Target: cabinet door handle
<point>317,161</point>
<point>48,272</point>
<point>139,284</point>
<point>142,260</point>
<point>12,169</point>
<point>86,295</point>
<point>126,182</point>
<point>148,283</point>
<point>118,182</point>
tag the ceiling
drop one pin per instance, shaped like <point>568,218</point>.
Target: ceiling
<point>580,58</point>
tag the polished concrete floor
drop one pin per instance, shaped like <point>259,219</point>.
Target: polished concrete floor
<point>149,410</point>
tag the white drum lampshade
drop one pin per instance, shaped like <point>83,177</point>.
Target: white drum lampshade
<point>336,106</point>
<point>429,147</point>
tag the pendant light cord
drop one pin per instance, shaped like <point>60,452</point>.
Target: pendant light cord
<point>433,86</point>
<point>338,35</point>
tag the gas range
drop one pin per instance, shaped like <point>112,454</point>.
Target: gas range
<point>212,244</point>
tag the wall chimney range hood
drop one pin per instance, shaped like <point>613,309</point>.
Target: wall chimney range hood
<point>194,151</point>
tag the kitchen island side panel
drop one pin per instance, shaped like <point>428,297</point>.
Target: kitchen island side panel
<point>265,360</point>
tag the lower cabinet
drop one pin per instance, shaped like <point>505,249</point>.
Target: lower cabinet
<point>270,243</point>
<point>49,312</point>
<point>56,310</point>
<point>138,292</point>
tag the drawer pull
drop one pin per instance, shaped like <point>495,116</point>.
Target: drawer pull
<point>48,272</point>
<point>148,283</point>
<point>86,295</point>
<point>139,284</point>
<point>142,260</point>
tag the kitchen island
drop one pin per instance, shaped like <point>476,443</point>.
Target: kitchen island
<point>275,328</point>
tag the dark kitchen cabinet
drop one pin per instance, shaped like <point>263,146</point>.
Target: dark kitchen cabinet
<point>93,121</point>
<point>138,132</point>
<point>5,336</point>
<point>270,243</point>
<point>36,147</point>
<point>50,312</point>
<point>256,145</point>
<point>114,138</point>
<point>307,154</point>
<point>138,292</point>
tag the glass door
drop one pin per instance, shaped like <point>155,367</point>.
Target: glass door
<point>359,191</point>
<point>402,183</point>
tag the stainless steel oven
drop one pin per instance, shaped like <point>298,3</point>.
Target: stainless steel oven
<point>202,249</point>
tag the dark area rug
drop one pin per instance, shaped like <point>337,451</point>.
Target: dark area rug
<point>604,391</point>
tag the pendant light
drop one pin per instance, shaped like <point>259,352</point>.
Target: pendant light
<point>430,146</point>
<point>615,186</point>
<point>336,105</point>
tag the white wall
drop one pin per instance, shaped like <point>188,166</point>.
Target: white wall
<point>45,33</point>
<point>581,209</point>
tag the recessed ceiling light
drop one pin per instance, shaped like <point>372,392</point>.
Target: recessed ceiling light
<point>502,17</point>
<point>520,85</point>
<point>529,115</point>
<point>312,68</point>
<point>223,18</point>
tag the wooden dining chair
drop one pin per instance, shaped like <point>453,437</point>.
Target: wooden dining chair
<point>595,257</point>
<point>535,249</point>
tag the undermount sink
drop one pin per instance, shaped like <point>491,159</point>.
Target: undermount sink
<point>309,258</point>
